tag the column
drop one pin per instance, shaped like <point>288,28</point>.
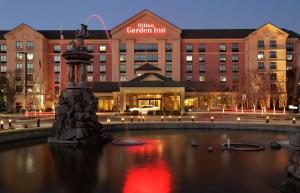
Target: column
<point>182,98</point>
<point>122,101</point>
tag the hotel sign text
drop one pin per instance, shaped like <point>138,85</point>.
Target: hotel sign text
<point>145,28</point>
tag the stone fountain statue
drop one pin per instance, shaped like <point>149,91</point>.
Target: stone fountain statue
<point>75,119</point>
<point>292,183</point>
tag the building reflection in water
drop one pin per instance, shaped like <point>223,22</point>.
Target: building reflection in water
<point>149,172</point>
<point>76,167</point>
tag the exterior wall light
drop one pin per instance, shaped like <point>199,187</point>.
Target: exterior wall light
<point>108,120</point>
<point>294,120</point>
<point>267,119</point>
<point>212,119</point>
<point>193,118</point>
<point>179,118</point>
<point>238,119</point>
<point>162,118</point>
<point>139,118</point>
<point>122,120</point>
<point>9,122</point>
<point>143,118</point>
<point>1,125</point>
<point>170,117</point>
<point>131,119</point>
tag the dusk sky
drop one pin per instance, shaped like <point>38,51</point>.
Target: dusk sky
<point>68,14</point>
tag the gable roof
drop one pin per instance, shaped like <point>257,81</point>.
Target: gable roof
<point>141,14</point>
<point>19,28</point>
<point>141,81</point>
<point>147,66</point>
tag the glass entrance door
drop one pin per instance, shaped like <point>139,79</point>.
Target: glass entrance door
<point>147,102</point>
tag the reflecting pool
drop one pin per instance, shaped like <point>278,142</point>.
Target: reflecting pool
<point>165,164</point>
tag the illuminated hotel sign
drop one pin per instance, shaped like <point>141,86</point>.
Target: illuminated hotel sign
<point>145,28</point>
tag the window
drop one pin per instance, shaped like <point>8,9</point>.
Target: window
<point>139,58</point>
<point>152,58</point>
<point>260,44</point>
<point>273,76</point>
<point>201,67</point>
<point>102,58</point>
<point>90,48</point>
<point>3,48</point>
<point>89,68</point>
<point>201,77</point>
<point>89,78</point>
<point>3,58</point>
<point>56,90</point>
<point>169,75</point>
<point>152,47</point>
<point>189,58</point>
<point>122,58</point>
<point>273,44</point>
<point>235,67</point>
<point>289,47</point>
<point>289,67</point>
<point>139,47</point>
<point>56,59</point>
<point>235,47</point>
<point>202,47</point>
<point>222,47</point>
<point>223,79</point>
<point>30,77</point>
<point>102,68</point>
<point>235,58</point>
<point>168,67</point>
<point>273,66</point>
<point>188,47</point>
<point>122,48</point>
<point>122,68</point>
<point>56,69</point>
<point>235,77</point>
<point>137,66</point>
<point>273,54</point>
<point>69,47</point>
<point>102,48</point>
<point>29,44</point>
<point>29,66</point>
<point>168,47</point>
<point>261,65</point>
<point>169,57</point>
<point>102,78</point>
<point>19,56</point>
<point>19,45</point>
<point>56,79</point>
<point>122,77</point>
<point>19,67</point>
<point>19,88</point>
<point>222,58</point>
<point>222,68</point>
<point>29,56</point>
<point>289,56</point>
<point>260,55</point>
<point>189,68</point>
<point>56,48</point>
<point>3,69</point>
<point>189,77</point>
<point>201,58</point>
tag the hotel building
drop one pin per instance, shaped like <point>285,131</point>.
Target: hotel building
<point>147,60</point>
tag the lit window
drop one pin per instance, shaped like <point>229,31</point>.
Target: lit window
<point>201,67</point>
<point>89,78</point>
<point>19,56</point>
<point>3,48</point>
<point>260,55</point>
<point>273,54</point>
<point>19,44</point>
<point>56,69</point>
<point>29,56</point>
<point>3,69</point>
<point>273,66</point>
<point>201,78</point>
<point>3,58</point>
<point>222,47</point>
<point>201,58</point>
<point>19,66</point>
<point>289,56</point>
<point>261,65</point>
<point>56,48</point>
<point>222,58</point>
<point>222,67</point>
<point>289,67</point>
<point>122,77</point>
<point>235,58</point>
<point>102,58</point>
<point>222,79</point>
<point>102,48</point>
<point>56,59</point>
<point>122,58</point>
<point>102,78</point>
<point>29,44</point>
<point>89,68</point>
<point>102,68</point>
<point>189,58</point>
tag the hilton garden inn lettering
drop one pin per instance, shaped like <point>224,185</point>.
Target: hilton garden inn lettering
<point>146,28</point>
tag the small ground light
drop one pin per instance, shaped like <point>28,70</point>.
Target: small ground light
<point>190,110</point>
<point>212,119</point>
<point>143,118</point>
<point>170,117</point>
<point>294,120</point>
<point>122,119</point>
<point>179,118</point>
<point>9,122</point>
<point>267,119</point>
<point>238,119</point>
<point>193,118</point>
<point>1,124</point>
<point>108,120</point>
<point>131,119</point>
<point>139,118</point>
<point>162,118</point>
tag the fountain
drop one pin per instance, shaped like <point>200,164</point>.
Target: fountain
<point>75,118</point>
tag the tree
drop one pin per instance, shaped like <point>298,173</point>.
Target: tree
<point>8,88</point>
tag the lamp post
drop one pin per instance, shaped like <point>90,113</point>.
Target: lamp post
<point>244,97</point>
